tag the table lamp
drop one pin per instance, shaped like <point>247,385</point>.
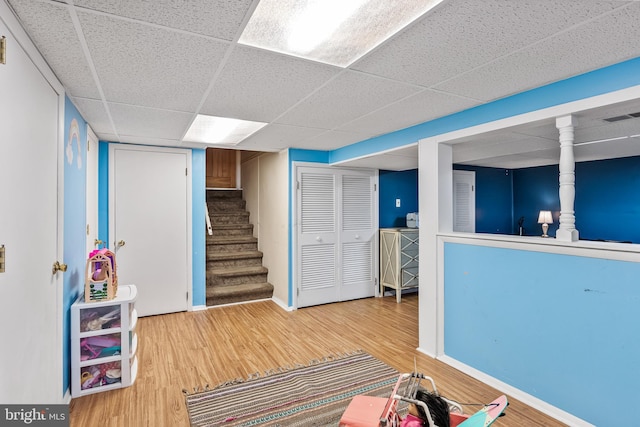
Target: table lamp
<point>545,219</point>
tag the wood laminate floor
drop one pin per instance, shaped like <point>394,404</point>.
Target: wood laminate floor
<point>191,349</point>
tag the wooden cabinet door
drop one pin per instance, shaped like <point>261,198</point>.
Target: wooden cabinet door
<point>221,168</point>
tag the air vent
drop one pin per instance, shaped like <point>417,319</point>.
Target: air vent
<point>616,118</point>
<point>623,117</point>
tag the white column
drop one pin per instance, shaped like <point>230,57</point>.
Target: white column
<point>436,216</point>
<point>567,231</point>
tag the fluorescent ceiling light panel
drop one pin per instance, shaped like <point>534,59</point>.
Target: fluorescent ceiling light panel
<point>336,32</point>
<point>220,130</point>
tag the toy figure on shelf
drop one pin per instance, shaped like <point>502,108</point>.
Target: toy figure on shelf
<point>101,280</point>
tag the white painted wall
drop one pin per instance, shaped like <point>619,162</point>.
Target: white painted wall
<point>265,188</point>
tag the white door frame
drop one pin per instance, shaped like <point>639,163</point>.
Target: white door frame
<point>112,148</point>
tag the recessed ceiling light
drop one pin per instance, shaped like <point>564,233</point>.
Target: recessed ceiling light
<point>335,32</point>
<point>220,130</point>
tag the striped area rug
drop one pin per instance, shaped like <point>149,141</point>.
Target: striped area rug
<point>312,395</point>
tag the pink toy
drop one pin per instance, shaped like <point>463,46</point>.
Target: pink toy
<point>101,280</point>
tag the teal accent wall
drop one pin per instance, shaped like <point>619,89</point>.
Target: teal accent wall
<point>198,222</point>
<point>394,185</point>
<point>103,191</point>
<point>558,327</point>
<point>75,197</point>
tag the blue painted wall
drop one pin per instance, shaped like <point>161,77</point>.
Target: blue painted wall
<point>567,322</point>
<point>75,196</point>
<point>199,227</point>
<point>607,203</point>
<point>394,185</point>
<point>536,189</point>
<point>494,199</point>
<point>608,199</point>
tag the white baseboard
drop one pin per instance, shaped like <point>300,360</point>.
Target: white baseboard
<point>198,308</point>
<point>282,304</point>
<point>423,351</point>
<point>522,396</point>
<point>67,397</point>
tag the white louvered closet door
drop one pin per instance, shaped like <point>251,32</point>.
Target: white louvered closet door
<point>464,201</point>
<point>317,232</point>
<point>358,237</point>
<point>336,235</point>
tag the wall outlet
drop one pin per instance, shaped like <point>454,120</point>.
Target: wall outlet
<point>397,203</point>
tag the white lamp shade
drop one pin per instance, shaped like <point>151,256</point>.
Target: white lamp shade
<point>545,217</point>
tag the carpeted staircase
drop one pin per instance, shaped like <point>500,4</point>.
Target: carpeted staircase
<point>234,264</point>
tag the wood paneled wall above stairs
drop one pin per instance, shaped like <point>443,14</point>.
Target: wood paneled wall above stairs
<point>234,265</point>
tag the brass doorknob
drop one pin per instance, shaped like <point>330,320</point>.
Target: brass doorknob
<point>98,242</point>
<point>58,266</point>
<point>121,243</point>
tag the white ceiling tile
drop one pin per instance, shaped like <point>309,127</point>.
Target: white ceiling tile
<point>607,150</point>
<point>421,107</point>
<point>149,66</point>
<point>345,98</point>
<point>464,34</point>
<point>610,39</point>
<point>275,137</point>
<point>95,113</point>
<point>108,137</point>
<point>331,140</point>
<point>485,150</point>
<point>385,162</point>
<point>609,130</point>
<point>149,122</point>
<point>51,28</point>
<point>216,18</point>
<point>141,140</point>
<point>261,85</point>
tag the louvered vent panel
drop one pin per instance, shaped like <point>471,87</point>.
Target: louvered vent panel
<point>462,205</point>
<point>318,205</point>
<point>318,263</point>
<point>356,262</point>
<point>356,203</point>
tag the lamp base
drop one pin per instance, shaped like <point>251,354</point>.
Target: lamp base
<point>545,228</point>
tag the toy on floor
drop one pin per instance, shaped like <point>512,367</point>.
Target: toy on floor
<point>370,411</point>
<point>101,279</point>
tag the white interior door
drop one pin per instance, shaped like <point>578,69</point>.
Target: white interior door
<point>464,201</point>
<point>336,235</point>
<point>30,295</point>
<point>150,225</point>
<point>92,190</point>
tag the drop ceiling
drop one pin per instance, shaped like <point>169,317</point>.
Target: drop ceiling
<point>140,71</point>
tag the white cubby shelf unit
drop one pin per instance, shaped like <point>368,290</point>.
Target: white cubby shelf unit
<point>104,343</point>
